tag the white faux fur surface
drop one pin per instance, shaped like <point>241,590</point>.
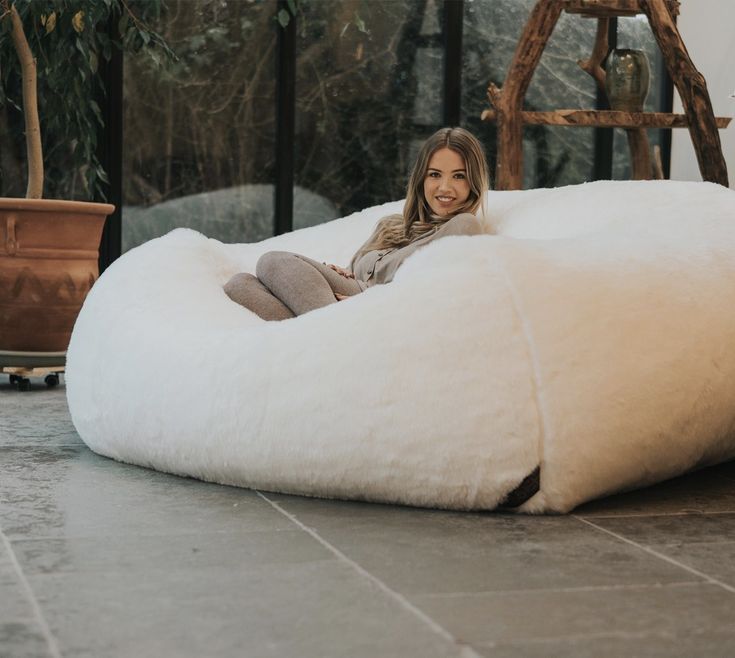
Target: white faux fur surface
<point>591,333</point>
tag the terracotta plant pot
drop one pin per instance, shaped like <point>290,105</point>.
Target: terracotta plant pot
<point>48,263</point>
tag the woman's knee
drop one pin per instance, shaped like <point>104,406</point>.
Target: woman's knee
<point>241,288</point>
<point>248,291</point>
<point>272,262</point>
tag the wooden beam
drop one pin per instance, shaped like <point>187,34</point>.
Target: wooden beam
<point>605,119</point>
<point>508,101</point>
<point>692,89</point>
<point>611,8</point>
<point>600,51</point>
<point>640,154</point>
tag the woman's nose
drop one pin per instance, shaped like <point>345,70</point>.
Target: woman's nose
<point>445,184</point>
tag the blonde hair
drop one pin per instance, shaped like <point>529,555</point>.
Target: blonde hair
<point>417,218</point>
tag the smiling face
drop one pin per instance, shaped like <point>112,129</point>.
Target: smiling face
<point>445,186</point>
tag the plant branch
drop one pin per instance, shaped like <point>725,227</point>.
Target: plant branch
<point>30,106</point>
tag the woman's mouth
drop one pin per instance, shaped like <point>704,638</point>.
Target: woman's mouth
<point>445,199</point>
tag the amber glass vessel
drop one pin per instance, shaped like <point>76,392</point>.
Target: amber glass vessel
<point>627,80</point>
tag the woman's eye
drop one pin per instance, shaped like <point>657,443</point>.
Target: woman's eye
<point>433,174</point>
<point>460,176</point>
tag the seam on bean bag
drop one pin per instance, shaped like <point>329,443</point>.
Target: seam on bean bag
<point>533,360</point>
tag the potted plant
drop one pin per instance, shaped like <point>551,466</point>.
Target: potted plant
<point>49,248</point>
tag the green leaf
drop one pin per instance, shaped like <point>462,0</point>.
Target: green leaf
<point>122,25</point>
<point>360,24</point>
<point>97,112</point>
<point>283,18</point>
<point>292,7</point>
<point>155,59</point>
<point>93,62</point>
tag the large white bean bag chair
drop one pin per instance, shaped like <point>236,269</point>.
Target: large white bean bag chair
<point>586,345</point>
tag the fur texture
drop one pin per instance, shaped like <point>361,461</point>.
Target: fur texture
<point>591,332</point>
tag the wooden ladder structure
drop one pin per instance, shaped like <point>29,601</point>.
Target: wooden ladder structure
<point>508,101</point>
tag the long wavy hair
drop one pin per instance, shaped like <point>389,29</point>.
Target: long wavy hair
<point>417,219</point>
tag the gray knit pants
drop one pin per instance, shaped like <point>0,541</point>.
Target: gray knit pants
<point>287,285</point>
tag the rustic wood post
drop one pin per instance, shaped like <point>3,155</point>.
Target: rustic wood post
<point>600,51</point>
<point>692,89</point>
<point>508,101</point>
<point>638,144</point>
<point>640,154</point>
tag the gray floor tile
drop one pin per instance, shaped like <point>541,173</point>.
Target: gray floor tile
<point>142,555</point>
<point>22,640</point>
<point>705,542</point>
<point>14,603</point>
<point>424,551</point>
<point>548,615</point>
<point>711,645</point>
<point>672,528</point>
<point>126,561</point>
<point>716,560</point>
<point>317,609</point>
<point>704,491</point>
<point>68,491</point>
<point>7,573</point>
<point>7,568</point>
<point>36,417</point>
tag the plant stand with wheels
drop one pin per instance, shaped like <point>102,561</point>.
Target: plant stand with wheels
<point>20,366</point>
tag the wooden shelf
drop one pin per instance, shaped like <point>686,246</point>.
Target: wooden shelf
<point>611,8</point>
<point>606,119</point>
<point>507,101</point>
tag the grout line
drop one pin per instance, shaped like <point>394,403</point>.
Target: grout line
<point>542,590</point>
<point>41,442</point>
<point>40,446</point>
<point>543,640</point>
<point>25,585</point>
<point>659,555</point>
<point>652,514</point>
<point>467,652</point>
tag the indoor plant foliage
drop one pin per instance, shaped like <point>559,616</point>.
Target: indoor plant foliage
<point>66,41</point>
<point>49,247</point>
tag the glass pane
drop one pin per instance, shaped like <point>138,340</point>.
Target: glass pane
<point>552,156</point>
<point>636,33</point>
<point>369,90</point>
<point>200,132</point>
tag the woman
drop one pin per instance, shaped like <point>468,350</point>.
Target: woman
<point>446,187</point>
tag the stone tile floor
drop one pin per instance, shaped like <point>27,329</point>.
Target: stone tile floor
<point>100,559</point>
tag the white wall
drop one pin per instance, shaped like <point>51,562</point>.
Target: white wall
<point>708,30</point>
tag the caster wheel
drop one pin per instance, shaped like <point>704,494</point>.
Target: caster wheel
<point>14,380</point>
<point>52,380</point>
<point>24,384</point>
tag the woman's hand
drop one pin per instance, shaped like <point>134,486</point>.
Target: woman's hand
<point>340,270</point>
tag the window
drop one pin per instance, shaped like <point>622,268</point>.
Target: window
<point>201,133</point>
